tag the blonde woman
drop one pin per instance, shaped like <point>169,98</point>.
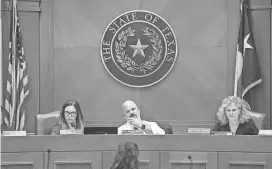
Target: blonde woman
<point>233,116</point>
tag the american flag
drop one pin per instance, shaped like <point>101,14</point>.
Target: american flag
<point>17,79</point>
<point>247,71</point>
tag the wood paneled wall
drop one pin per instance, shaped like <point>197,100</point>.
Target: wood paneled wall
<point>62,43</point>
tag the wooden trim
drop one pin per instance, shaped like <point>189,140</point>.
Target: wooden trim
<point>17,163</point>
<point>188,162</point>
<point>33,6</point>
<point>270,70</point>
<point>73,162</point>
<point>144,161</point>
<point>260,7</point>
<point>247,163</point>
<point>31,0</point>
<point>187,143</point>
<point>46,100</point>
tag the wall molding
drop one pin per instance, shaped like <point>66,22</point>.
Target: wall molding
<point>23,5</point>
<point>260,7</point>
<point>46,100</point>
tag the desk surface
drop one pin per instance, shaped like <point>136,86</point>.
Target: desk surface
<point>204,143</point>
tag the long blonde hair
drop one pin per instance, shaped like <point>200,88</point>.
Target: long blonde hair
<point>241,103</point>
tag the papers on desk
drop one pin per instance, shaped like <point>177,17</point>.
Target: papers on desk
<point>14,133</point>
<point>265,132</point>
<point>71,132</point>
<point>132,132</point>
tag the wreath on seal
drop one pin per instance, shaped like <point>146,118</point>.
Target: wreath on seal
<point>127,62</point>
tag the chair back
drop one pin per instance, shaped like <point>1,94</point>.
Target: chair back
<point>46,122</point>
<point>166,127</point>
<point>258,119</point>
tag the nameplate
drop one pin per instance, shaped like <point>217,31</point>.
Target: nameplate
<point>68,132</point>
<point>221,133</point>
<point>199,130</point>
<point>265,132</point>
<point>132,132</point>
<point>14,133</point>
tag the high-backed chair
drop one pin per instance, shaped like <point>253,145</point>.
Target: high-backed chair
<point>258,119</point>
<point>46,122</point>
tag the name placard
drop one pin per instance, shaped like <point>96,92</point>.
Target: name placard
<point>199,130</point>
<point>265,132</point>
<point>14,133</point>
<point>132,132</point>
<point>222,133</point>
<point>68,132</point>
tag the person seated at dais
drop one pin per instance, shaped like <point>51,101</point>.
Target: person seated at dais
<point>126,157</point>
<point>70,118</point>
<point>134,122</point>
<point>233,116</point>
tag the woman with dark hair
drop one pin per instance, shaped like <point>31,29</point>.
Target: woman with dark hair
<point>126,157</point>
<point>70,118</point>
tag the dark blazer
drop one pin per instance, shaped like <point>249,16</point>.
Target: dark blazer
<point>247,128</point>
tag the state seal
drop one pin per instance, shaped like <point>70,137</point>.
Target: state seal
<point>138,48</point>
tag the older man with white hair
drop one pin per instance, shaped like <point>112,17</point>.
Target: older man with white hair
<point>134,122</point>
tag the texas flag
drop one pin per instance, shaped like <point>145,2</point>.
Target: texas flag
<point>247,70</point>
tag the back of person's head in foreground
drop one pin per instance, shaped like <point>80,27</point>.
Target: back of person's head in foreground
<point>126,157</point>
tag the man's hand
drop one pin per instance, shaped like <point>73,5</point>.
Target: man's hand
<point>135,122</point>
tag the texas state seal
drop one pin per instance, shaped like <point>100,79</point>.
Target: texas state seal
<point>138,48</point>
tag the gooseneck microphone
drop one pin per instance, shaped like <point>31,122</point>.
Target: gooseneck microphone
<point>191,164</point>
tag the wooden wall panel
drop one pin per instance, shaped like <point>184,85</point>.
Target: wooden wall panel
<point>29,21</point>
<point>198,77</point>
<point>262,33</point>
<point>22,160</point>
<point>62,43</point>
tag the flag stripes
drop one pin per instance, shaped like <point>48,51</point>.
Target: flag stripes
<point>17,80</point>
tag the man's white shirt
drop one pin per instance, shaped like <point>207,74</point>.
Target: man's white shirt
<point>156,130</point>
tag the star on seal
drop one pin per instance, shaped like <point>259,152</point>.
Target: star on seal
<point>138,48</point>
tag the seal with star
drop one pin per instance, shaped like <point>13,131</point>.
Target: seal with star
<point>138,48</point>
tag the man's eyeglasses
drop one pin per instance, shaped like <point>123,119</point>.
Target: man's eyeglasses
<point>70,113</point>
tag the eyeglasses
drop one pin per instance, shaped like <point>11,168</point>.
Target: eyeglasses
<point>70,113</point>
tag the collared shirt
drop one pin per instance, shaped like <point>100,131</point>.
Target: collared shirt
<point>154,127</point>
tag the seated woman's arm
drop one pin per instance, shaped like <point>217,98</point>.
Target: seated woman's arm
<point>56,131</point>
<point>254,128</point>
<point>217,127</point>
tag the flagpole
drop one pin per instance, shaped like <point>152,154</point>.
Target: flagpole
<point>1,58</point>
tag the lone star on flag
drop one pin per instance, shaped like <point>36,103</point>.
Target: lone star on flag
<point>138,48</point>
<point>246,44</point>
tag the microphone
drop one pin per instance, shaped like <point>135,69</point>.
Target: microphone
<point>191,164</point>
<point>48,157</point>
